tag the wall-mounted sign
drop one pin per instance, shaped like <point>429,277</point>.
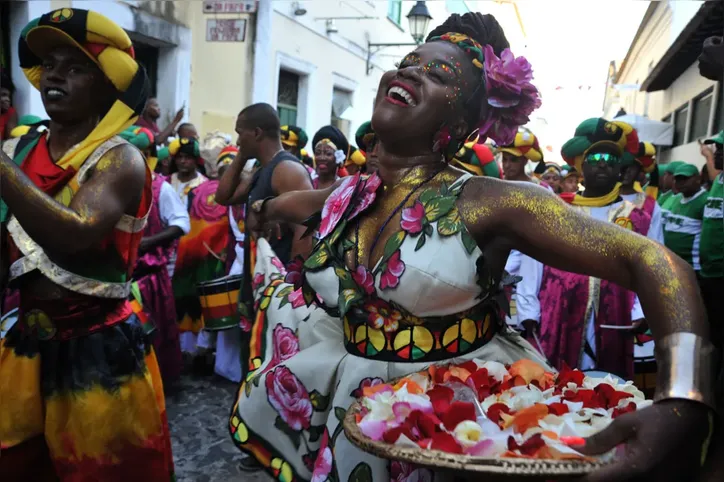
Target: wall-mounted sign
<point>225,30</point>
<point>230,6</point>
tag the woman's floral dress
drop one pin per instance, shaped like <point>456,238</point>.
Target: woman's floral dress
<point>429,299</point>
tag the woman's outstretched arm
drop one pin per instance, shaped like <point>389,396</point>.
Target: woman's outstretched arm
<point>296,206</point>
<point>542,226</point>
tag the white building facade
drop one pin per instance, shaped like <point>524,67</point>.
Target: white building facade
<point>659,78</point>
<point>315,60</point>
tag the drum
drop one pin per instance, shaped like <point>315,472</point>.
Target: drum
<point>645,364</point>
<point>219,302</point>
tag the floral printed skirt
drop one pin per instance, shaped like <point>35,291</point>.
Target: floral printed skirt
<point>289,409</point>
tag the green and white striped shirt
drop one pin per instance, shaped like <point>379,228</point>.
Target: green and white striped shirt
<point>682,228</point>
<point>712,232</point>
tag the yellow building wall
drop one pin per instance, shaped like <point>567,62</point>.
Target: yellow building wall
<point>221,73</point>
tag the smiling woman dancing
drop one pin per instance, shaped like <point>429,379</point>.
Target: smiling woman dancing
<point>409,268</point>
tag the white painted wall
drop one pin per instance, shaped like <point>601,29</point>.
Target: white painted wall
<point>27,100</point>
<point>325,61</point>
<point>663,28</point>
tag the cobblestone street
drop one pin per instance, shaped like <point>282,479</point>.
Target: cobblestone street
<point>198,411</point>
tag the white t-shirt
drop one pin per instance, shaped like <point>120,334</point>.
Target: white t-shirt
<point>172,210</point>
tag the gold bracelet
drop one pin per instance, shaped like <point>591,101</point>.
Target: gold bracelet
<point>685,363</point>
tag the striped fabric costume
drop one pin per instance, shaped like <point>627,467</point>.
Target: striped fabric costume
<point>80,389</point>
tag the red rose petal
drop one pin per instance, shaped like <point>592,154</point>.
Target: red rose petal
<point>393,434</point>
<point>558,408</point>
<point>567,376</point>
<point>481,378</point>
<point>529,447</point>
<point>426,425</point>
<point>445,442</point>
<point>424,443</point>
<point>458,412</point>
<point>440,374</point>
<point>470,366</point>
<point>441,397</point>
<point>617,412</point>
<point>495,410</point>
<point>589,398</point>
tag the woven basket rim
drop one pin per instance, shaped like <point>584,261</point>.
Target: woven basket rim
<point>467,463</point>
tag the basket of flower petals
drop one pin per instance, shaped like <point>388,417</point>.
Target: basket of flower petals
<point>492,418</point>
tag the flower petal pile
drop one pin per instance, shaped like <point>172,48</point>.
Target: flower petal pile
<point>488,409</point>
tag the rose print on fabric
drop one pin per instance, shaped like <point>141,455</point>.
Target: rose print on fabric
<point>289,397</point>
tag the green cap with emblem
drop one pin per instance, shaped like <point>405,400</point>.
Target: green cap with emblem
<point>686,170</point>
<point>672,166</point>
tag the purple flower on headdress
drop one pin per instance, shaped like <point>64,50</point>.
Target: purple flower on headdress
<point>511,95</point>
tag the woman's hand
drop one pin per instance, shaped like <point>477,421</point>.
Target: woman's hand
<point>664,442</point>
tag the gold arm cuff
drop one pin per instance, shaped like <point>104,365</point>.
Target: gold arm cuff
<point>685,369</point>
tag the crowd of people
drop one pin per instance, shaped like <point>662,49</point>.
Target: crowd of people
<point>131,253</point>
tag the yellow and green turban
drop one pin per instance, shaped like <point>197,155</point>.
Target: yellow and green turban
<point>365,137</point>
<point>26,123</point>
<point>294,136</point>
<point>525,145</point>
<point>145,141</point>
<point>186,145</point>
<point>355,157</point>
<point>109,47</point>
<point>138,136</point>
<point>591,133</point>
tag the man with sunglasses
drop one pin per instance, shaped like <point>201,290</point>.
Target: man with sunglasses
<point>570,310</point>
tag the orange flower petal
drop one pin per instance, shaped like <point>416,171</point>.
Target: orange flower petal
<point>412,386</point>
<point>369,391</point>
<point>459,372</point>
<point>528,417</point>
<point>528,370</point>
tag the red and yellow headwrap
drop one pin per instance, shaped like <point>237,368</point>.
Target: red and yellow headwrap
<point>226,156</point>
<point>646,156</point>
<point>355,157</point>
<point>109,47</point>
<point>525,145</point>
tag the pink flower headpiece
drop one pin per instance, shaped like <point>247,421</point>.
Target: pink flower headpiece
<point>511,97</point>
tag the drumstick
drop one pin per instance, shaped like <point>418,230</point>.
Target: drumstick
<point>211,251</point>
<point>540,348</point>
<point>617,327</point>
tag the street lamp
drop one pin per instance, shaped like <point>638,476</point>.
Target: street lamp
<point>419,18</point>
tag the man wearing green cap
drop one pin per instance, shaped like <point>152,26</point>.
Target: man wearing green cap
<point>682,231</point>
<point>666,181</point>
<point>711,276</point>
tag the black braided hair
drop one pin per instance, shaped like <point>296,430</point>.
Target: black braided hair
<point>483,28</point>
<point>486,30</point>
